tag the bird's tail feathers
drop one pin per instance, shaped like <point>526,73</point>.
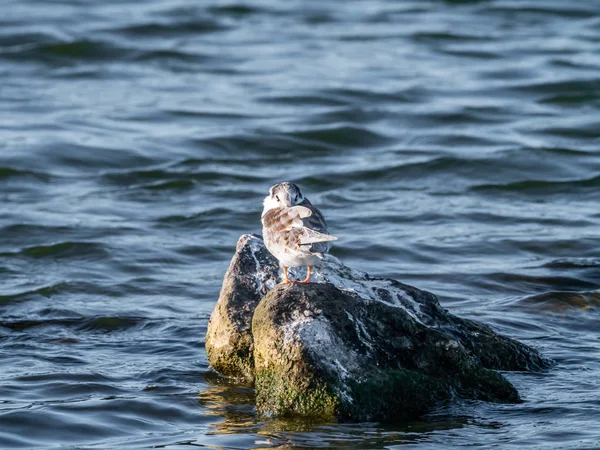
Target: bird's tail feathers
<point>313,237</point>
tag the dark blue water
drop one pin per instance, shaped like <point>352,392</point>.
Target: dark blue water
<point>452,145</point>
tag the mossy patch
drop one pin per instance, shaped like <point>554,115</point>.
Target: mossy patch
<point>393,395</point>
<point>276,396</point>
<point>237,361</point>
<point>485,384</point>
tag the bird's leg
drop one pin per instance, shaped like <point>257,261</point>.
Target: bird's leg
<point>307,279</point>
<point>286,280</point>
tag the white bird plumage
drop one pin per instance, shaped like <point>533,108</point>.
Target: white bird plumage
<point>294,231</point>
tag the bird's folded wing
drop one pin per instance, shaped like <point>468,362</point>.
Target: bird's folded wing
<point>286,227</point>
<point>284,219</point>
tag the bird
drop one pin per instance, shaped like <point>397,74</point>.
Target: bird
<point>294,231</point>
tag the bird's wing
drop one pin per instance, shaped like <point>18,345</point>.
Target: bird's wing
<point>316,223</point>
<point>284,219</point>
<point>287,227</point>
<point>316,220</point>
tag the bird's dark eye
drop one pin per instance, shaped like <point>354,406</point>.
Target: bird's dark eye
<point>296,198</point>
<point>277,197</point>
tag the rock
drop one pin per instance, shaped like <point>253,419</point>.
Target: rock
<point>351,346</point>
<point>229,343</point>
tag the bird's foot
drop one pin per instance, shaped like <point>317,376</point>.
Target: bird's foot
<point>286,279</point>
<point>307,279</point>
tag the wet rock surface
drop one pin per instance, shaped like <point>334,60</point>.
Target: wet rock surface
<point>351,346</point>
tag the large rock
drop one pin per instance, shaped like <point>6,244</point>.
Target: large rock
<point>352,346</point>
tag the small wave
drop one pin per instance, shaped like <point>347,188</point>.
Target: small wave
<point>318,138</point>
<point>585,87</point>
<point>205,113</point>
<point>83,324</point>
<point>542,186</point>
<point>572,99</point>
<point>56,52</point>
<point>448,37</point>
<point>398,171</point>
<point>411,94</point>
<point>165,179</point>
<point>235,10</point>
<point>44,291</point>
<point>208,218</point>
<point>22,325</point>
<point>562,301</point>
<point>342,136</point>
<point>110,323</point>
<point>527,283</point>
<point>65,385</point>
<point>561,151</point>
<point>272,145</point>
<point>179,185</point>
<point>581,131</point>
<point>9,172</point>
<point>303,99</point>
<point>64,288</point>
<point>573,264</point>
<point>97,51</point>
<point>461,117</point>
<point>20,232</point>
<point>153,30</point>
<point>170,55</point>
<point>67,249</point>
<point>581,11</point>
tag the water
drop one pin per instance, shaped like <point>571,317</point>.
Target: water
<point>452,145</point>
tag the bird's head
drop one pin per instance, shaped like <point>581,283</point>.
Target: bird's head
<point>283,195</point>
